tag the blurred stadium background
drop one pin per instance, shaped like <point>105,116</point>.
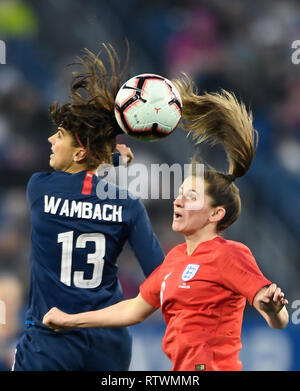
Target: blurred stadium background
<point>243,46</point>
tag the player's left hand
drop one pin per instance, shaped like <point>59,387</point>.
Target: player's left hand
<point>272,300</point>
<point>57,320</point>
<point>126,153</point>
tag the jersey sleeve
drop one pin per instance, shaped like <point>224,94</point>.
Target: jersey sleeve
<point>150,288</point>
<point>143,240</point>
<point>240,273</point>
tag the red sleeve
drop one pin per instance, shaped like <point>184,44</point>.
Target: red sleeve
<point>150,288</point>
<point>240,273</point>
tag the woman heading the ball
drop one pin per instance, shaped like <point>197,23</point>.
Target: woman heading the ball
<point>77,235</point>
<point>202,285</point>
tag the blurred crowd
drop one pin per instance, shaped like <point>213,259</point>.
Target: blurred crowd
<point>244,47</point>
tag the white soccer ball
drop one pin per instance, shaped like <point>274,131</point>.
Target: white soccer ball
<point>148,107</point>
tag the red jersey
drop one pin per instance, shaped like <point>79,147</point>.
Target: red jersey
<point>202,298</point>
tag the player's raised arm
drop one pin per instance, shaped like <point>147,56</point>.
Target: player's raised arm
<point>143,240</point>
<point>270,303</point>
<point>124,313</point>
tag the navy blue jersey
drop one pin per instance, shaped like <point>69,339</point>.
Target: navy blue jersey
<point>76,239</point>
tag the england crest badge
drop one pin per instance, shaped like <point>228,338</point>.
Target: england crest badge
<point>189,271</point>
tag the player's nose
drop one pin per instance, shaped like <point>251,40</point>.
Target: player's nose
<point>179,202</point>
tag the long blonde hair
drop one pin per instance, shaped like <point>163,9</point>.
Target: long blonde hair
<point>220,118</point>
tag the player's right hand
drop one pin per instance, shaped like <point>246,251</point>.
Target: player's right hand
<point>57,320</point>
<point>126,153</point>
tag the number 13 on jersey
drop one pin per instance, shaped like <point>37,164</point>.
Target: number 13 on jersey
<point>96,258</point>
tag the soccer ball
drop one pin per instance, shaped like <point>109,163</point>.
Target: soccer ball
<point>148,107</point>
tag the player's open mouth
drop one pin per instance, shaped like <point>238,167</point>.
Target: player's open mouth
<point>177,216</point>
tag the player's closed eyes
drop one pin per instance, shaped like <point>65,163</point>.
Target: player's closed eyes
<point>190,195</point>
<point>59,134</point>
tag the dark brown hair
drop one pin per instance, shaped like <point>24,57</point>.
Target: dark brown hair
<point>89,115</point>
<point>220,118</point>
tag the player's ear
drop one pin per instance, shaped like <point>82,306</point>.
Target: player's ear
<point>217,214</point>
<point>79,155</point>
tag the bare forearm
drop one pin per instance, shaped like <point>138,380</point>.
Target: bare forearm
<point>117,315</point>
<point>124,313</point>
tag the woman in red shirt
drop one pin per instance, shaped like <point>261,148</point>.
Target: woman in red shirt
<point>202,285</point>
